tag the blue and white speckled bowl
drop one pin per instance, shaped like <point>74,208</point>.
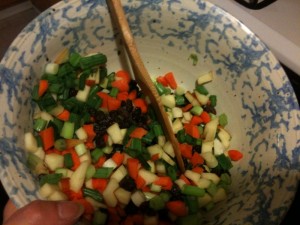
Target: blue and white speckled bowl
<point>252,88</point>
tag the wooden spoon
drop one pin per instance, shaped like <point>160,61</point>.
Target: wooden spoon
<point>142,76</point>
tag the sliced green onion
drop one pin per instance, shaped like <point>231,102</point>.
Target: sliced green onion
<point>114,92</point>
<point>93,60</point>
<point>192,204</point>
<point>213,100</point>
<point>99,218</point>
<point>103,172</point>
<point>136,144</point>
<point>56,88</point>
<point>160,88</point>
<point>68,161</point>
<point>67,130</point>
<point>180,100</point>
<point>181,136</point>
<point>223,121</point>
<point>193,190</point>
<point>224,162</point>
<point>60,144</point>
<point>52,178</point>
<point>212,189</point>
<point>96,154</point>
<point>225,177</point>
<point>35,93</point>
<point>148,138</point>
<point>91,170</point>
<point>39,124</point>
<point>94,194</point>
<point>172,172</point>
<point>197,110</point>
<point>156,203</point>
<point>157,129</point>
<point>202,90</point>
<point>103,73</point>
<point>74,59</point>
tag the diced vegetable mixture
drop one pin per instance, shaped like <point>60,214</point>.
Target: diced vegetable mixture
<point>97,141</point>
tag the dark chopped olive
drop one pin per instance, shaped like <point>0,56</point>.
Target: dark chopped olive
<point>99,141</point>
<point>133,85</point>
<point>176,192</point>
<point>186,163</point>
<point>72,92</point>
<point>136,115</point>
<point>118,147</point>
<point>197,148</point>
<point>99,129</point>
<point>99,116</point>
<point>131,208</point>
<point>145,209</point>
<point>129,105</point>
<point>127,183</point>
<point>92,111</point>
<point>209,109</point>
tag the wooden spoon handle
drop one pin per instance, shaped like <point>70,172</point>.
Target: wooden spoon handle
<point>142,76</point>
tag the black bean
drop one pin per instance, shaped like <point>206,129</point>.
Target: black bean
<point>127,183</point>
<point>196,148</point>
<point>209,109</point>
<point>131,208</point>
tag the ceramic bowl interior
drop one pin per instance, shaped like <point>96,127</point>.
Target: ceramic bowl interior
<point>251,86</point>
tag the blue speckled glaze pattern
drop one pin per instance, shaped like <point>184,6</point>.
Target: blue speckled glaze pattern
<point>252,88</point>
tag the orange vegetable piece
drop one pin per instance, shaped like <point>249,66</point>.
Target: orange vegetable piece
<point>118,158</point>
<point>162,80</point>
<point>205,117</point>
<point>196,159</point>
<point>47,136</point>
<point>132,95</point>
<point>171,80</point>
<point>177,207</point>
<point>104,97</point>
<point>138,132</point>
<point>89,129</point>
<point>43,87</point>
<point>122,96</point>
<point>121,84</point>
<point>192,130</point>
<point>100,162</point>
<point>122,74</point>
<point>64,116</point>
<point>72,142</point>
<point>140,182</point>
<point>184,178</point>
<point>133,167</point>
<point>235,155</point>
<point>165,182</point>
<point>113,104</point>
<point>187,107</point>
<point>141,103</point>
<point>186,150</point>
<point>99,184</point>
<point>198,169</point>
<point>196,120</point>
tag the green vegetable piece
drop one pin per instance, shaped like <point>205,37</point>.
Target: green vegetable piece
<point>90,172</point>
<point>213,100</point>
<point>180,100</point>
<point>60,144</point>
<point>92,61</point>
<point>67,130</point>
<point>193,190</point>
<point>192,203</point>
<point>212,189</point>
<point>225,177</point>
<point>223,121</point>
<point>74,59</point>
<point>39,124</point>
<point>68,161</point>
<point>94,194</point>
<point>172,172</point>
<point>136,144</point>
<point>114,92</point>
<point>157,129</point>
<point>224,162</point>
<point>103,172</point>
<point>157,203</point>
<point>210,206</point>
<point>202,90</point>
<point>197,110</point>
<point>96,154</point>
<point>35,93</point>
<point>52,178</point>
<point>160,88</point>
<point>181,136</point>
<point>165,196</point>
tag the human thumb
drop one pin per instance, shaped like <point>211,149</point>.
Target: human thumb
<point>47,213</point>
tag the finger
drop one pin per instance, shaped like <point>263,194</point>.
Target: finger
<point>9,209</point>
<point>46,213</point>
